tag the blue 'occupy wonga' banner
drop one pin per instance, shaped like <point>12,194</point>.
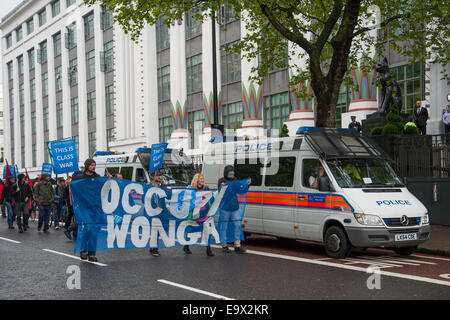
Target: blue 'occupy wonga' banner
<point>115,213</point>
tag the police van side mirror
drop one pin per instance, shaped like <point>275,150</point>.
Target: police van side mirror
<point>324,184</point>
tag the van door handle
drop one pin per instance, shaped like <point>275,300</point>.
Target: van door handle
<point>301,197</point>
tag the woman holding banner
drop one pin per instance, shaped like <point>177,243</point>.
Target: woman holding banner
<point>198,183</point>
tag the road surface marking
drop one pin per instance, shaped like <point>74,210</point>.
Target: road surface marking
<point>195,290</point>
<point>430,257</point>
<point>399,260</point>
<point>13,241</point>
<point>75,257</point>
<point>348,267</point>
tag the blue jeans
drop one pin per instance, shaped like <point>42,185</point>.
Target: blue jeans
<point>44,216</point>
<point>230,219</point>
<point>11,214</point>
<point>3,210</point>
<point>56,212</point>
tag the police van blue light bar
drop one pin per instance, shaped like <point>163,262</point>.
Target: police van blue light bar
<point>102,153</point>
<point>303,130</point>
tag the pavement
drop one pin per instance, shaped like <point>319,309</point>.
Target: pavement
<point>439,242</point>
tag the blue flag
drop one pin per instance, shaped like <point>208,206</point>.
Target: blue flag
<point>156,156</point>
<point>117,213</point>
<point>47,168</point>
<point>64,155</point>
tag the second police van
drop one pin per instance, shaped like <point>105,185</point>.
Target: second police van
<point>330,186</point>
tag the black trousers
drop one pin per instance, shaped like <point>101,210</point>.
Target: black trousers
<point>422,130</point>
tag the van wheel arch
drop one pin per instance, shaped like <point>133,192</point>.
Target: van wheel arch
<point>334,234</point>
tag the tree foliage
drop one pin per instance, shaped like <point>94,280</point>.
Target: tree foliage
<point>331,36</point>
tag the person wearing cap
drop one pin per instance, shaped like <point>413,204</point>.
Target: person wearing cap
<point>355,125</point>
<point>88,238</point>
<point>22,195</point>
<point>44,195</point>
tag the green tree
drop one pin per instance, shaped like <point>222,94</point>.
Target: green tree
<point>284,132</point>
<point>330,35</point>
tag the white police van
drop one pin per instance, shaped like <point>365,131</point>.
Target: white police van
<point>357,202</point>
<point>177,170</point>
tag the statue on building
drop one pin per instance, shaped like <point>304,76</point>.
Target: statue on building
<point>390,90</point>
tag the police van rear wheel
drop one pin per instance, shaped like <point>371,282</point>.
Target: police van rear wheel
<point>337,245</point>
<point>405,251</point>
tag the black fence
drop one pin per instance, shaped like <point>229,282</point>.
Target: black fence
<point>417,156</point>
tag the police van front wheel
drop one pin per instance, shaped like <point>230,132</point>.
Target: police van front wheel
<point>337,245</point>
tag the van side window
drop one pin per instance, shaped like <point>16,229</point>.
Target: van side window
<point>245,170</point>
<point>140,175</point>
<point>312,170</point>
<point>285,175</point>
<point>127,172</point>
<point>112,170</point>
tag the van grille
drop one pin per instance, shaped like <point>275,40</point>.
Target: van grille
<point>395,222</point>
<point>404,231</point>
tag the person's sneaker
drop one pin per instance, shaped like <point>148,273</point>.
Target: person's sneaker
<point>92,258</point>
<point>226,249</point>
<point>56,228</point>
<point>240,250</point>
<point>20,230</point>
<point>46,231</point>
<point>39,228</point>
<point>154,252</point>
<point>209,252</point>
<point>25,228</point>
<point>67,233</point>
<point>187,250</point>
<point>11,227</point>
<point>83,255</point>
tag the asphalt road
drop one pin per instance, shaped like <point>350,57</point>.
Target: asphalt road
<point>34,265</point>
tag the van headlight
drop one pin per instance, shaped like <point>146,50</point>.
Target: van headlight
<point>368,219</point>
<point>425,219</point>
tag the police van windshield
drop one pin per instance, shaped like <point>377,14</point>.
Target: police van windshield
<point>358,173</point>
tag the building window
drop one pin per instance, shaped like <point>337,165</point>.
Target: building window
<point>30,26</point>
<point>22,155</point>
<point>107,57</point>
<point>46,152</point>
<point>56,8</point>
<point>90,65</point>
<point>33,122</point>
<point>20,65</point>
<point>71,37</point>
<point>193,25</point>
<point>11,98</point>
<point>226,13</point>
<point>12,134</point>
<point>72,72</point>
<point>32,90</point>
<point>89,26</point>
<point>19,34</point>
<point>165,129</point>
<point>45,118</point>
<point>162,34</point>
<point>70,2</point>
<point>57,44</point>
<point>58,78</point>
<point>45,84</point>
<point>230,66</point>
<point>74,110</point>
<point>8,41</point>
<point>21,94</point>
<point>109,135</point>
<point>31,59</point>
<point>276,110</point>
<point>109,99</point>
<point>42,56</point>
<point>33,155</point>
<point>42,15</point>
<point>107,18</point>
<point>22,125</point>
<point>164,83</point>
<point>233,115</point>
<point>59,115</point>
<point>92,143</point>
<point>10,70</point>
<point>194,73</point>
<point>91,105</point>
<point>199,123</point>
<point>410,79</point>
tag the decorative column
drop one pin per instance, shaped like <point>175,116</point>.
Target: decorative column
<point>178,90</point>
<point>364,96</point>
<point>302,101</point>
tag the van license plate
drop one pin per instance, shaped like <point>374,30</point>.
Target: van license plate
<point>406,237</point>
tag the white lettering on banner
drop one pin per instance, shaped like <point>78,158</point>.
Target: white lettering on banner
<point>158,229</point>
<point>209,229</point>
<point>193,237</point>
<point>139,239</point>
<point>201,199</point>
<point>113,187</point>
<point>173,204</point>
<point>114,232</point>
<point>217,199</point>
<point>126,198</point>
<point>160,193</point>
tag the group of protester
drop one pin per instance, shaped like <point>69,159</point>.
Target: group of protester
<point>19,198</point>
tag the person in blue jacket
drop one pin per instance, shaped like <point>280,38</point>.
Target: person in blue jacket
<point>230,214</point>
